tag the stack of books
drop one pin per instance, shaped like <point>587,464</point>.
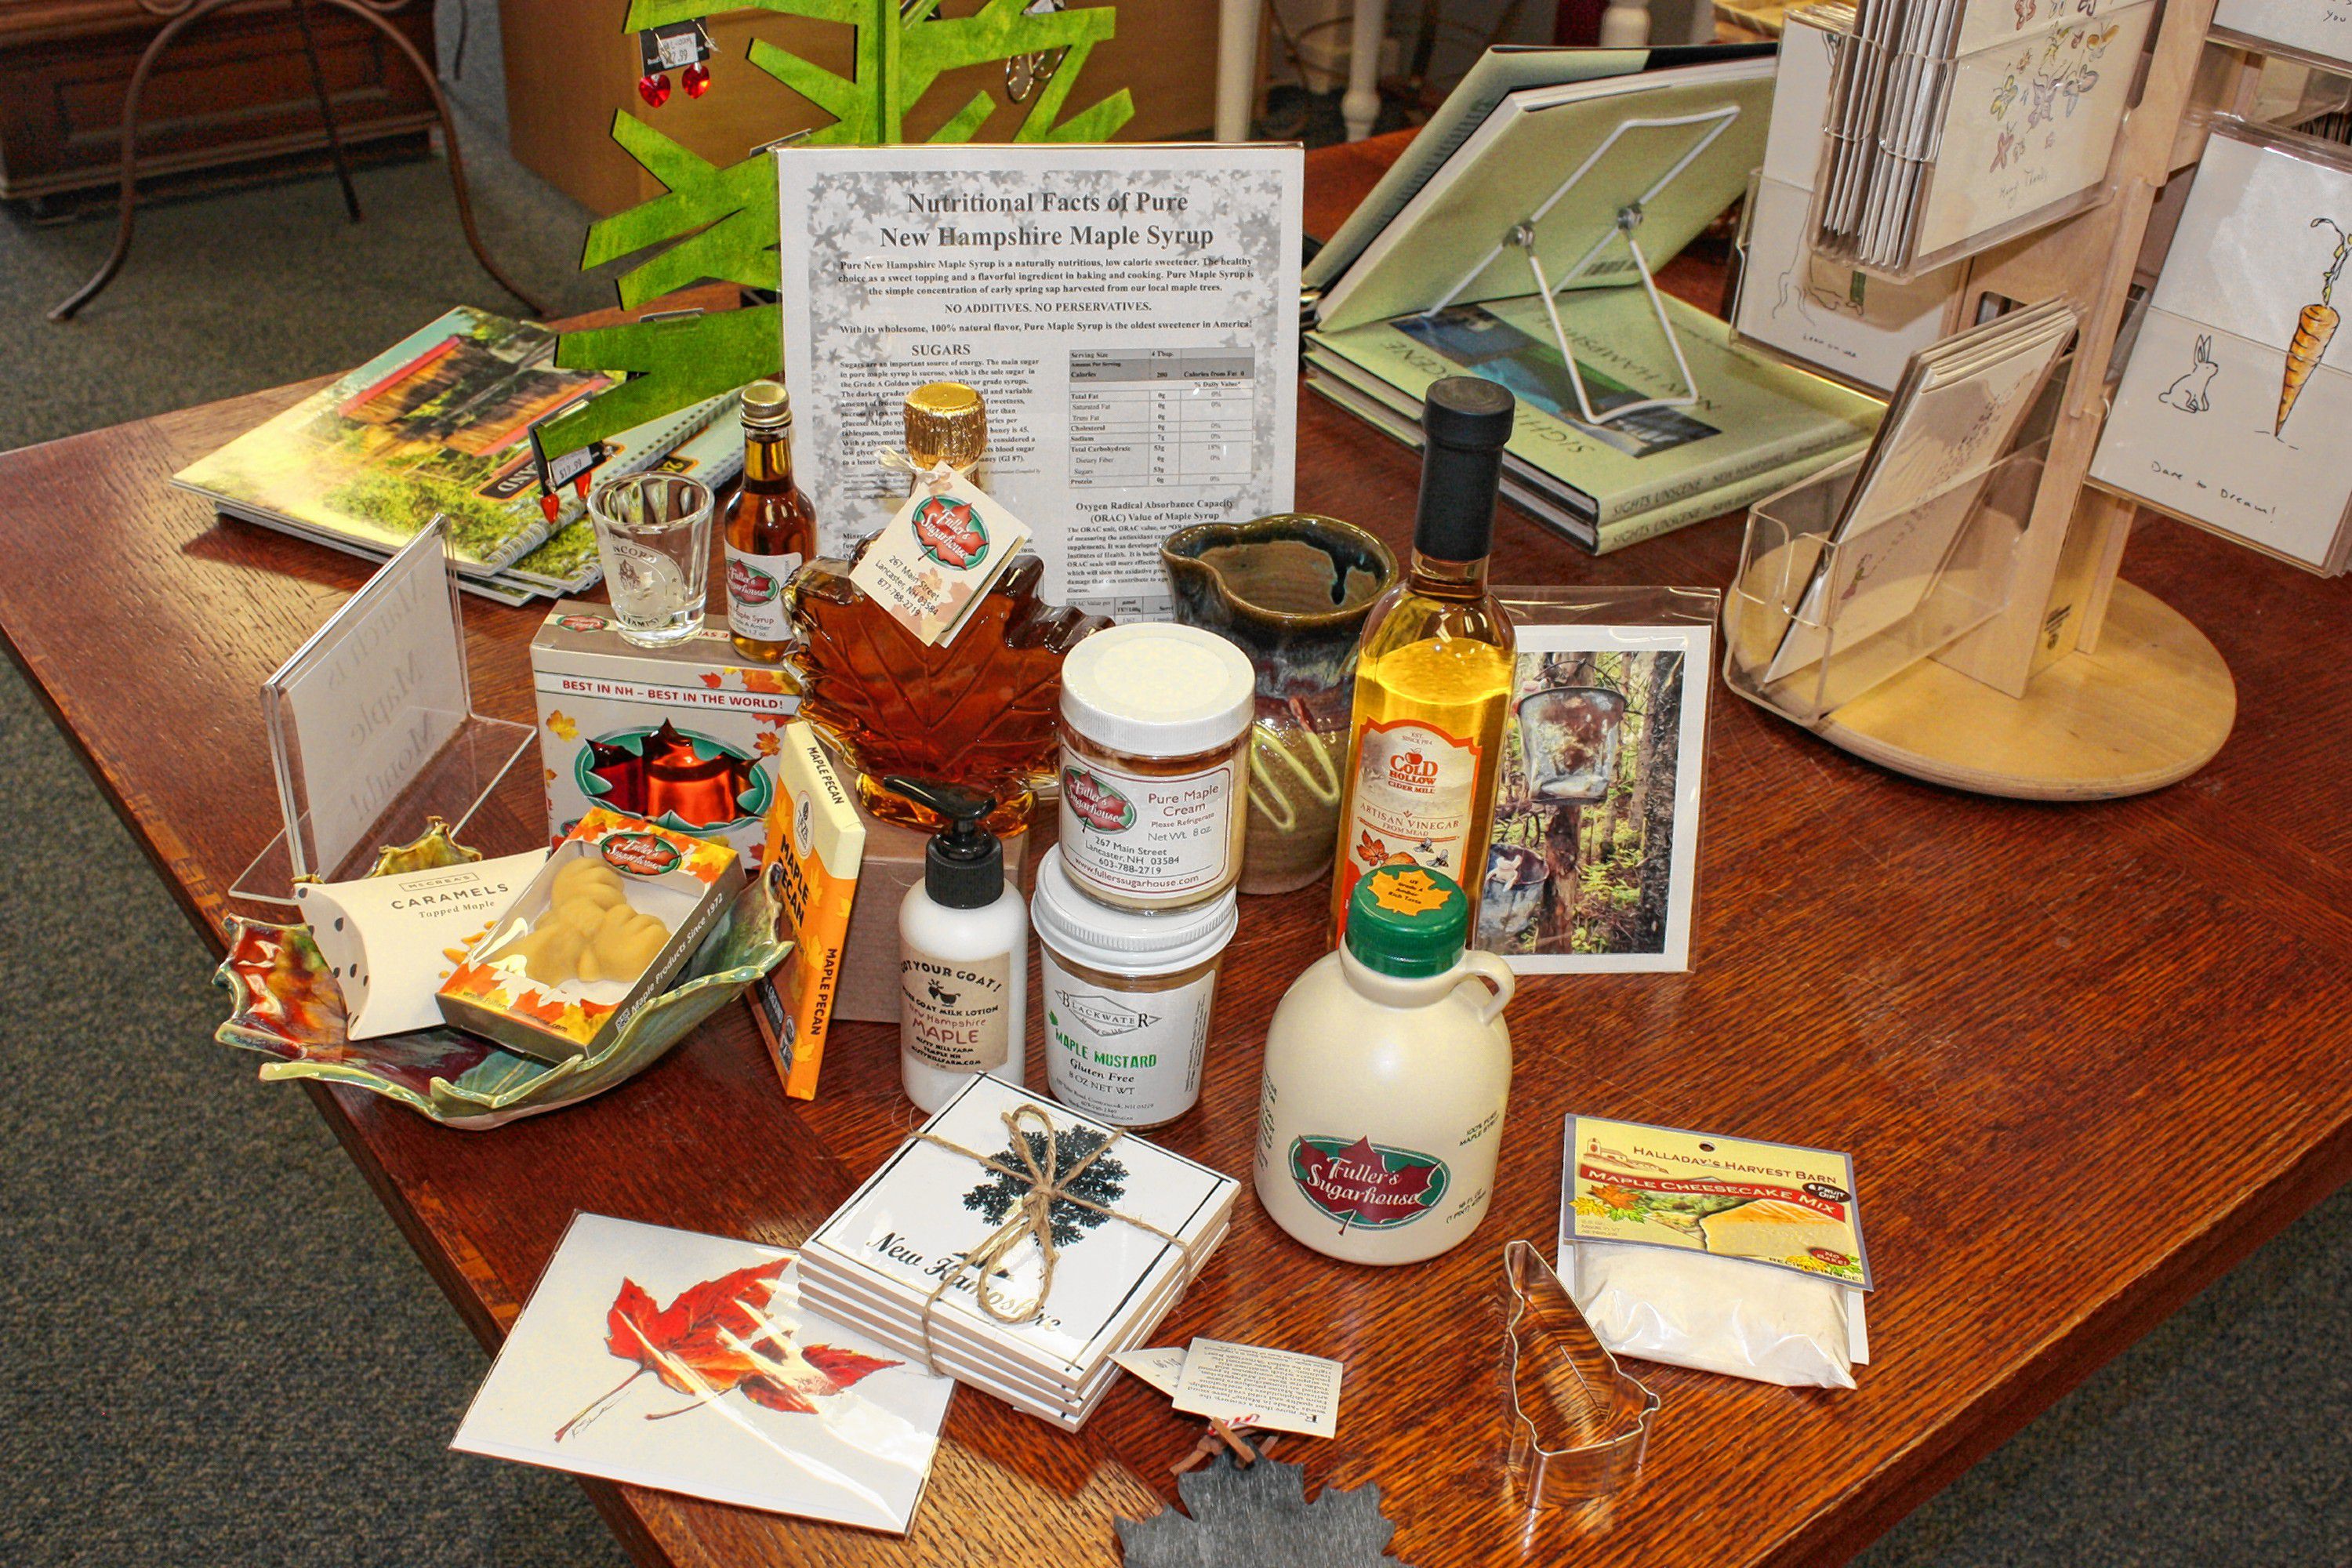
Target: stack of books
<point>439,424</point>
<point>1524,253</point>
<point>1120,1240</point>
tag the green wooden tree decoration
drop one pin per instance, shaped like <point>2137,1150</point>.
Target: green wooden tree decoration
<point>725,219</point>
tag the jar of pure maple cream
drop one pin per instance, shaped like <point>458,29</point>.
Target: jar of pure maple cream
<point>1155,765</point>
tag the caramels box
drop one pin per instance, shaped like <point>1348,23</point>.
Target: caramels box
<point>685,736</point>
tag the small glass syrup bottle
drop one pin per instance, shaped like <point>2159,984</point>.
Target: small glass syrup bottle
<point>1434,675</point>
<point>770,532</point>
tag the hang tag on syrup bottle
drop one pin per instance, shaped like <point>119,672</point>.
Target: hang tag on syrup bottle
<point>931,565</point>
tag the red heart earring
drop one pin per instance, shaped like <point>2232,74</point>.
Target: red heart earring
<point>696,80</point>
<point>654,89</point>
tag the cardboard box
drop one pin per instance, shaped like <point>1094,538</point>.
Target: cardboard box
<point>867,987</point>
<point>685,882</point>
<point>816,839</point>
<point>685,736</point>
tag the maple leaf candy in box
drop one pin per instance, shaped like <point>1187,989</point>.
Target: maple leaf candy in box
<point>616,911</point>
<point>684,736</point>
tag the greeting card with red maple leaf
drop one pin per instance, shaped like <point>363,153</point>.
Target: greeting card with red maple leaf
<point>716,1339</point>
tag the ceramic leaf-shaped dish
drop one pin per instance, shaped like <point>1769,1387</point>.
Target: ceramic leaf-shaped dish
<point>287,1008</point>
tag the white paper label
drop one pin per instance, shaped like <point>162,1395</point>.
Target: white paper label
<point>1414,788</point>
<point>937,559</point>
<point>1129,1057</point>
<point>954,1014</point>
<point>1162,1367</point>
<point>1156,837</point>
<point>1250,1385</point>
<point>755,594</point>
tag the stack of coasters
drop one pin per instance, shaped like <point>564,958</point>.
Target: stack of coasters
<point>1132,1225</point>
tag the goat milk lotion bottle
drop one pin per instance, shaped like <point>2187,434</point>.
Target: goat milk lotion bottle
<point>1434,675</point>
<point>1387,1070</point>
<point>963,956</point>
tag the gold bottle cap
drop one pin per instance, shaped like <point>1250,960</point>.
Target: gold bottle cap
<point>946,421</point>
<point>767,404</point>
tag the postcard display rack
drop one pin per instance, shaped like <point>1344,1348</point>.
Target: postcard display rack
<point>2028,668</point>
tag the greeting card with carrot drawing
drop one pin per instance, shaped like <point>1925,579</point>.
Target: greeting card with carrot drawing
<point>2315,328</point>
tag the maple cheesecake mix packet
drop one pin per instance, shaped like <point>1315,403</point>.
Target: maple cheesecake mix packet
<point>1130,1225</point>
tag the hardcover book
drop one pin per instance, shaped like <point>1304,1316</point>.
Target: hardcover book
<point>1526,258</point>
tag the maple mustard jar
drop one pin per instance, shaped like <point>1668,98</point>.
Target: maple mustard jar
<point>1387,1070</point>
<point>1129,995</point>
<point>1155,764</point>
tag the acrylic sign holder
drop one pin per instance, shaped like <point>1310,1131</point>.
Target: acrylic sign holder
<point>373,729</point>
<point>2076,686</point>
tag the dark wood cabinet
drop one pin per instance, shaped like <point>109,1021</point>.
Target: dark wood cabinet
<point>232,88</point>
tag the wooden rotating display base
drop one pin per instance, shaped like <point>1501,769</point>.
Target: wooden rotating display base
<point>2150,707</point>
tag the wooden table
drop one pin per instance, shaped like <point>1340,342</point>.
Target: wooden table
<point>2086,1057</point>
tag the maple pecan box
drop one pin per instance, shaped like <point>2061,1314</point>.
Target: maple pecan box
<point>608,923</point>
<point>684,736</point>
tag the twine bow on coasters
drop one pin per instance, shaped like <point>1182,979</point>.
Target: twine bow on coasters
<point>938,477</point>
<point>1042,1184</point>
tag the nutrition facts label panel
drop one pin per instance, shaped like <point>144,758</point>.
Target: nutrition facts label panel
<point>1162,416</point>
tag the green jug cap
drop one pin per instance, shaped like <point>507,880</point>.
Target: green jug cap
<point>1408,921</point>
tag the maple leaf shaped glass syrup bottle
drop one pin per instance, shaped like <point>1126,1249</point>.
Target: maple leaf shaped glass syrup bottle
<point>980,711</point>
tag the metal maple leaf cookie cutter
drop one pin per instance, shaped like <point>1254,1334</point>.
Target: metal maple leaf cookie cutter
<point>1579,1422</point>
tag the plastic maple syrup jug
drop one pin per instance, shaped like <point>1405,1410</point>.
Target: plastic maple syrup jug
<point>1387,1070</point>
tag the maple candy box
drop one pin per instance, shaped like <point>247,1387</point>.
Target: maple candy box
<point>616,911</point>
<point>685,736</point>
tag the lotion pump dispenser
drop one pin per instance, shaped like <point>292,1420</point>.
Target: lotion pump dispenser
<point>963,956</point>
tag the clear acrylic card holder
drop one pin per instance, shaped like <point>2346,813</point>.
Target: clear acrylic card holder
<point>372,731</point>
<point>1813,621</point>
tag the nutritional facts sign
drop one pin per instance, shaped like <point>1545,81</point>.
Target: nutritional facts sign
<point>1169,417</point>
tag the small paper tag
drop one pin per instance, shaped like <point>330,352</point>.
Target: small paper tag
<point>1161,1368</point>
<point>1249,1386</point>
<point>931,565</point>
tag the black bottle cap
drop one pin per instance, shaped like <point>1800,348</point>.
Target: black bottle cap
<point>1465,420</point>
<point>963,865</point>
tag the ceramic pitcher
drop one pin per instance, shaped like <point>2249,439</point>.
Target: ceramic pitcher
<point>1291,591</point>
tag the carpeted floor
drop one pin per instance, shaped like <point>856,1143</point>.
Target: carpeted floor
<point>219,1350</point>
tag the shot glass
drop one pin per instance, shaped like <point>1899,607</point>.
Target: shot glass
<point>653,535</point>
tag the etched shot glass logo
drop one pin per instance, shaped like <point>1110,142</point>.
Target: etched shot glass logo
<point>640,854</point>
<point>951,532</point>
<point>1367,1185</point>
<point>1098,804</point>
<point>1102,1015</point>
<point>646,586</point>
<point>748,585</point>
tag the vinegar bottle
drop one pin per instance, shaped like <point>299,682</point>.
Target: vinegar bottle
<point>771,530</point>
<point>1434,675</point>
